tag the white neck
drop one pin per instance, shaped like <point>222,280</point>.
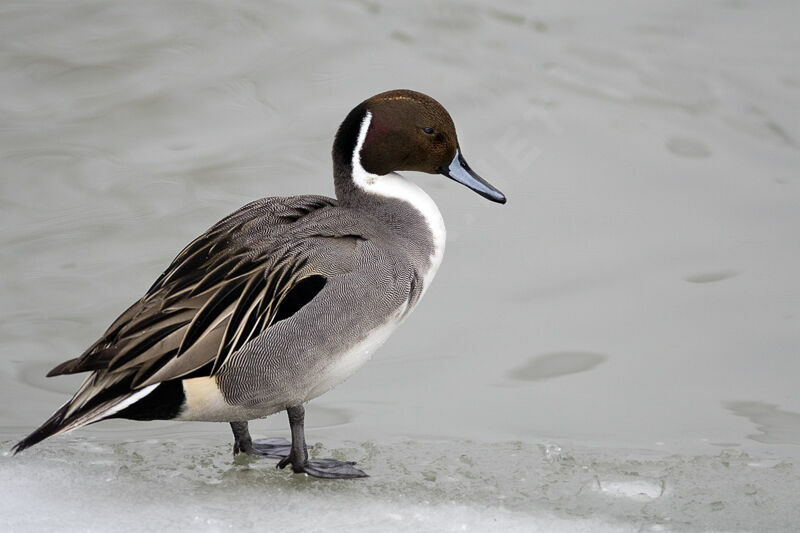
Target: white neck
<point>396,186</point>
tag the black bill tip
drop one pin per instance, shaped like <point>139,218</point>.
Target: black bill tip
<point>459,170</point>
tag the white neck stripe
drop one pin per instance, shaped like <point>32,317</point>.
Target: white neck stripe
<point>361,177</point>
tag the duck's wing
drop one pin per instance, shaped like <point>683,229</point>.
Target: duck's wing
<point>230,282</point>
<point>252,269</point>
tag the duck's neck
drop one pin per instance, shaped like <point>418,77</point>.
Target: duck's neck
<point>404,207</point>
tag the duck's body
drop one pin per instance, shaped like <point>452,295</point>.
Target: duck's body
<point>346,256</point>
<point>280,301</point>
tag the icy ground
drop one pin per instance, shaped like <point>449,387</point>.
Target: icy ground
<point>615,349</point>
<point>419,485</point>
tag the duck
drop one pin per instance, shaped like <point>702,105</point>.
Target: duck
<point>286,297</point>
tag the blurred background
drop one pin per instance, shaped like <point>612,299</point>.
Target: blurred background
<point>614,349</point>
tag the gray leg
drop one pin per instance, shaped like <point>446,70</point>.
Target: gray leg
<point>243,443</point>
<point>298,456</point>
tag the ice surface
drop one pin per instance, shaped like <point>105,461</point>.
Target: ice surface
<point>614,349</point>
<point>416,485</point>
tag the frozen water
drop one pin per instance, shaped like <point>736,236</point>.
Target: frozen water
<point>615,349</point>
<point>419,484</point>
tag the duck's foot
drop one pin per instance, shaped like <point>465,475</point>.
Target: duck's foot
<point>273,448</point>
<point>298,457</point>
<point>276,448</point>
<point>324,468</point>
<point>294,453</point>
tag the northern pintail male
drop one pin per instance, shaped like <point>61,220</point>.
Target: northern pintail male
<point>285,298</point>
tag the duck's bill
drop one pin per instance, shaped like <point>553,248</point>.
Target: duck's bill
<point>459,171</point>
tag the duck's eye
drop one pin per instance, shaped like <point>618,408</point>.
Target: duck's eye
<point>428,130</point>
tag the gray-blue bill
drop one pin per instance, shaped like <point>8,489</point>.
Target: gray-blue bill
<point>459,171</point>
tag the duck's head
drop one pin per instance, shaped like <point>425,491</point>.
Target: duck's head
<point>402,130</point>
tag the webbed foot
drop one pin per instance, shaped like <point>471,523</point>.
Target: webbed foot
<point>324,468</point>
<point>294,454</point>
<point>274,448</point>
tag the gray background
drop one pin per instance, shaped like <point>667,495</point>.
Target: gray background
<point>615,349</point>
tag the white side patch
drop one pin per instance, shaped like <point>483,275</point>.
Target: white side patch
<point>395,186</point>
<point>130,400</point>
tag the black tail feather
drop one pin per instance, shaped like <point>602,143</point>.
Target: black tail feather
<point>52,426</point>
<point>162,403</point>
<point>67,367</point>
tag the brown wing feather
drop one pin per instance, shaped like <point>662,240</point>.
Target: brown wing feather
<point>223,289</point>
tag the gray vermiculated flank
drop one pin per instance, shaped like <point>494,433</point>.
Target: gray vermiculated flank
<point>370,272</point>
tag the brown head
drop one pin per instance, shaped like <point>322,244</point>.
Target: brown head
<point>404,130</point>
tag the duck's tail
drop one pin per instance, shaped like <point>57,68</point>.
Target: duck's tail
<point>68,417</point>
<point>51,427</point>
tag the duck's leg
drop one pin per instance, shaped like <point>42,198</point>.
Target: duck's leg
<point>273,448</point>
<point>298,457</point>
